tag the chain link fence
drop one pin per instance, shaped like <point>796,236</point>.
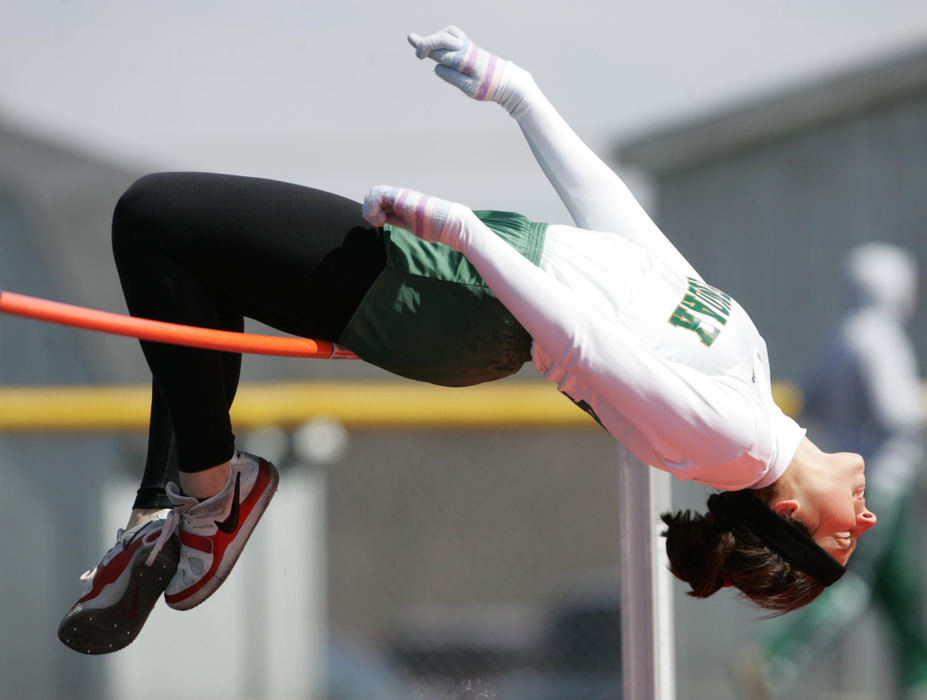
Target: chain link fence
<point>470,563</point>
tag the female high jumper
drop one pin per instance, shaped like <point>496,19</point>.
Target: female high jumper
<point>607,309</point>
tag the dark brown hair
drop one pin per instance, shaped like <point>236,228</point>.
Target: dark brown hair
<point>708,557</point>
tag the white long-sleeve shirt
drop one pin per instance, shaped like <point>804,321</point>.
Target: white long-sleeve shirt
<point>673,369</point>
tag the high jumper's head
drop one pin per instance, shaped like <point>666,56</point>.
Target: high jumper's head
<point>780,545</point>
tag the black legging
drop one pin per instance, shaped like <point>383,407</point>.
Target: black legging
<point>208,250</point>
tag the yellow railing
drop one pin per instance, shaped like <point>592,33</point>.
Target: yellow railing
<point>359,404</point>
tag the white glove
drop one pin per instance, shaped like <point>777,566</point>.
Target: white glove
<point>430,218</point>
<point>478,73</point>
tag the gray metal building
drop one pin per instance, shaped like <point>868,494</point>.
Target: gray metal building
<point>53,223</point>
<point>766,198</point>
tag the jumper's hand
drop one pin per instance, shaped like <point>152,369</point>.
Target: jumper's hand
<point>429,218</point>
<point>478,73</point>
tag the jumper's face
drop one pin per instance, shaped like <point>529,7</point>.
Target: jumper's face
<point>835,510</point>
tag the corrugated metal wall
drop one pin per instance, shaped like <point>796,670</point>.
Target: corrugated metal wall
<point>771,223</point>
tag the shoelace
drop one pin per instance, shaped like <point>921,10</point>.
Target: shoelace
<point>171,522</point>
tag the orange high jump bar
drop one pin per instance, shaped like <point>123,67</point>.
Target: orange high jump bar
<point>173,333</point>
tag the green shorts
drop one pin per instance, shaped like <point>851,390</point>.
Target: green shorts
<point>430,316</point>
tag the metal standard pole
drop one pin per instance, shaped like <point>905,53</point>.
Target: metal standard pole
<point>647,653</point>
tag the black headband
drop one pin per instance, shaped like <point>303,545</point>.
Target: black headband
<point>743,509</point>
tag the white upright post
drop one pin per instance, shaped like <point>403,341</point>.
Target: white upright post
<point>647,654</point>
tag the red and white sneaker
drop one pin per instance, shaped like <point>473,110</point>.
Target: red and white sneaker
<point>121,590</point>
<point>213,532</point>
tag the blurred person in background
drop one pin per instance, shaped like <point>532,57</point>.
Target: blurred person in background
<point>863,392</point>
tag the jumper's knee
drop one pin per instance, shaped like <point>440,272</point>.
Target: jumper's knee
<point>140,213</point>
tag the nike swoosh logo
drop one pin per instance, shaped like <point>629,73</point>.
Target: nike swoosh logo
<point>230,524</point>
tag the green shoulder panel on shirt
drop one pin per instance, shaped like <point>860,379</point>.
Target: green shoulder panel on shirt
<point>409,254</point>
<point>430,316</point>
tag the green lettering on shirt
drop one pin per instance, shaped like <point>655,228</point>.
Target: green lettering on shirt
<point>703,310</point>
